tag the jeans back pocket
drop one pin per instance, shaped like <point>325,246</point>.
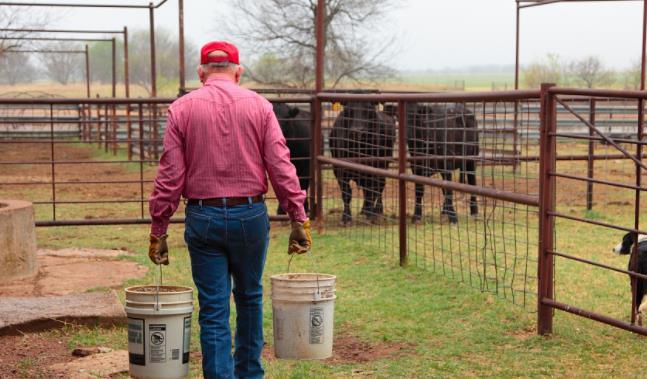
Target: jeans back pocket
<point>196,226</point>
<point>255,228</point>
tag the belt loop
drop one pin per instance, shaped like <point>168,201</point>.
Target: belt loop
<point>250,201</point>
<point>200,203</point>
<point>224,202</point>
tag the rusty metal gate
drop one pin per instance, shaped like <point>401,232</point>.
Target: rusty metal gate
<point>565,208</point>
<point>93,161</point>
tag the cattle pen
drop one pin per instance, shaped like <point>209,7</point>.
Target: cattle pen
<point>569,142</point>
<point>513,193</point>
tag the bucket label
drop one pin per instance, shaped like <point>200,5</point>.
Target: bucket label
<point>136,349</point>
<point>157,341</point>
<point>187,340</point>
<point>316,325</point>
<point>278,327</point>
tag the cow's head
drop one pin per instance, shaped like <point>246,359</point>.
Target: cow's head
<point>284,111</point>
<point>359,114</point>
<point>624,247</point>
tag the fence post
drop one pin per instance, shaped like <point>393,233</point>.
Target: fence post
<point>115,125</point>
<point>312,188</point>
<point>590,162</point>
<point>547,164</point>
<point>633,259</point>
<point>318,144</point>
<point>105,128</point>
<point>402,184</point>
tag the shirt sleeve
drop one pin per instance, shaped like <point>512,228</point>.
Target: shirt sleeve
<point>169,182</point>
<point>281,171</point>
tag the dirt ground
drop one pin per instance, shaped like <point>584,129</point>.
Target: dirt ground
<point>33,355</point>
<point>29,355</point>
<point>67,271</point>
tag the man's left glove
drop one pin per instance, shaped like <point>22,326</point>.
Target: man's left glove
<point>300,238</point>
<point>158,250</point>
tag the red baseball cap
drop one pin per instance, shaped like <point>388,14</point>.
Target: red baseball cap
<point>228,48</point>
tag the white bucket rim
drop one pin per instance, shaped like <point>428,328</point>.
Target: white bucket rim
<point>179,290</point>
<point>313,276</point>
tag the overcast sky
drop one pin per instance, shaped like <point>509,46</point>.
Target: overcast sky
<point>435,34</point>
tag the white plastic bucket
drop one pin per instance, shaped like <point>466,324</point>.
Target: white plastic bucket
<point>303,306</point>
<point>159,331</point>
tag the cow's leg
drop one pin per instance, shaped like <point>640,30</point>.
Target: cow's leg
<point>366,183</point>
<point>379,204</point>
<point>417,212</point>
<point>371,195</point>
<point>346,196</point>
<point>471,180</point>
<point>448,203</point>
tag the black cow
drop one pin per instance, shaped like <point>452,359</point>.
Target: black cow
<point>625,247</point>
<point>361,131</point>
<point>296,126</point>
<point>444,134</point>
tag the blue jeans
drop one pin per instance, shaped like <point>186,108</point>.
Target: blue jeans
<point>228,243</point>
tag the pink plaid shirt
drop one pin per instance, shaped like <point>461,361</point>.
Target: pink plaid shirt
<point>220,140</point>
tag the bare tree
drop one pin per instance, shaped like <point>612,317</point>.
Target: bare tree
<point>166,46</point>
<point>548,70</point>
<point>18,18</point>
<point>282,33</point>
<point>632,76</point>
<point>101,61</point>
<point>63,67</point>
<point>16,68</point>
<point>590,72</point>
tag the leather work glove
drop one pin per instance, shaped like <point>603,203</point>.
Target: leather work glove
<point>300,238</point>
<point>158,250</point>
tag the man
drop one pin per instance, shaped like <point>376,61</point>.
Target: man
<point>220,141</point>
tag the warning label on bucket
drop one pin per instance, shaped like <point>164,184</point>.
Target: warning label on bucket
<point>157,340</point>
<point>316,325</point>
<point>136,353</point>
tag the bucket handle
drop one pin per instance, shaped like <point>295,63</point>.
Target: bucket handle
<point>317,295</point>
<point>157,292</point>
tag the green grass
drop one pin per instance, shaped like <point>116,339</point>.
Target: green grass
<point>447,329</point>
<point>467,82</point>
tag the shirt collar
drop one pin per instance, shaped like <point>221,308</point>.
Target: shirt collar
<point>212,80</point>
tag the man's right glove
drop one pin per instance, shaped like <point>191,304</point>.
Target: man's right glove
<point>300,238</point>
<point>158,250</point>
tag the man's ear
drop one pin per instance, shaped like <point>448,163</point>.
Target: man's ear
<point>239,73</point>
<point>200,73</point>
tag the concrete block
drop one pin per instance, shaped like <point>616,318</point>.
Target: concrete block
<point>17,240</point>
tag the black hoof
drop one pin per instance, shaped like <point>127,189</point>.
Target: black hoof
<point>416,219</point>
<point>451,216</point>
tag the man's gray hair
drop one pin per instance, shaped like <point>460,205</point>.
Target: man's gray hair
<point>218,66</point>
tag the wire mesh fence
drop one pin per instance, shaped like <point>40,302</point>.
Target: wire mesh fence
<point>453,169</point>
